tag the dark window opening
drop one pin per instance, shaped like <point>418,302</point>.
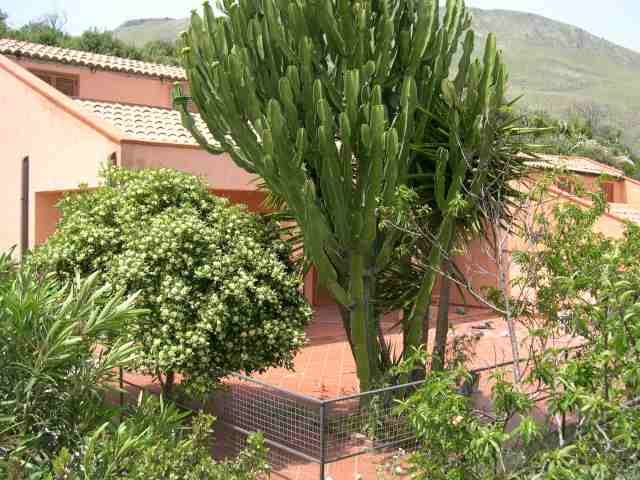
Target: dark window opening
<point>67,84</point>
<point>607,190</point>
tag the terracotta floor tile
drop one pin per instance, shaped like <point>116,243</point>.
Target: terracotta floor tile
<point>325,369</point>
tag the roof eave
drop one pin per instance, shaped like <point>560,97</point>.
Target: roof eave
<point>61,100</point>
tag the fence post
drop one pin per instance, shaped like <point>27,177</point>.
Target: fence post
<point>323,439</point>
<point>564,413</point>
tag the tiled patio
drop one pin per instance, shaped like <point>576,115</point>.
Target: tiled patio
<point>325,369</point>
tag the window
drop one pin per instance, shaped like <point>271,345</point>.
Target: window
<point>67,84</point>
<point>608,189</point>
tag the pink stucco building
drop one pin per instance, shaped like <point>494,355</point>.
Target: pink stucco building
<point>65,113</point>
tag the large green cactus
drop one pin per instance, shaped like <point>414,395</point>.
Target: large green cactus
<point>324,99</point>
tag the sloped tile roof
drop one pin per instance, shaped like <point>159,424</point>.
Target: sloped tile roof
<point>575,164</point>
<point>146,124</point>
<point>93,60</point>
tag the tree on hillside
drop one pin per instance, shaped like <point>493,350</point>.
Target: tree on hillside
<point>327,102</point>
<point>97,41</point>
<point>4,28</point>
<point>216,280</point>
<point>47,30</point>
<point>160,51</point>
<point>588,131</point>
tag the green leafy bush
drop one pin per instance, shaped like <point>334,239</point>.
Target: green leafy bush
<point>587,132</point>
<point>456,442</point>
<point>153,444</point>
<point>59,352</point>
<point>588,287</point>
<point>217,281</point>
<point>584,286</point>
<point>57,360</point>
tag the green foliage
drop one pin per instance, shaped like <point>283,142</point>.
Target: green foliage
<point>153,444</point>
<point>584,286</point>
<point>58,352</point>
<point>586,132</point>
<point>217,281</point>
<point>324,101</point>
<point>456,442</point>
<point>4,28</point>
<point>587,286</point>
<point>60,348</point>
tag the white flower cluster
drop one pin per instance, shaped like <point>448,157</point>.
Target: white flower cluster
<point>221,293</point>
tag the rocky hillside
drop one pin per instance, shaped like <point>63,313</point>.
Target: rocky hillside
<point>554,64</point>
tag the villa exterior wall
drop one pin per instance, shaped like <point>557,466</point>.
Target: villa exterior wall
<point>47,215</point>
<point>108,85</point>
<point>632,189</point>
<point>219,170</point>
<point>64,151</point>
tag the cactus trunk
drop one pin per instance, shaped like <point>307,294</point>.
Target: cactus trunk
<point>326,100</point>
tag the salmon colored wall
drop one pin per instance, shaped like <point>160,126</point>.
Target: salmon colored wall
<point>219,170</point>
<point>315,293</point>
<point>632,188</point>
<point>110,86</point>
<point>64,150</point>
<point>608,225</point>
<point>479,268</point>
<point>47,215</point>
<point>591,183</point>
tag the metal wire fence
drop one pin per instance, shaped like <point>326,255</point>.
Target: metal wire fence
<point>306,435</point>
<point>310,438</point>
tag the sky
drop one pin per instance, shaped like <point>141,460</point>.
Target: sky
<point>615,20</point>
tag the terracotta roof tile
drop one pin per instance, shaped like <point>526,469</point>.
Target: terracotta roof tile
<point>575,164</point>
<point>93,60</point>
<point>146,124</point>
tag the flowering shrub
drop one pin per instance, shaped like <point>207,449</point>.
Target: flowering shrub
<point>216,279</point>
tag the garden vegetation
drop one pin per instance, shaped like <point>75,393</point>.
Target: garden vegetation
<point>574,415</point>
<point>217,282</point>
<point>60,349</point>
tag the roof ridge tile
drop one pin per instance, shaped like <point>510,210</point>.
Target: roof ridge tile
<point>40,51</point>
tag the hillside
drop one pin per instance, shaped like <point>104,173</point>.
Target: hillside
<point>554,64</point>
<point>140,31</point>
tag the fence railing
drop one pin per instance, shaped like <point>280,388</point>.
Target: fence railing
<point>307,432</point>
<point>307,435</point>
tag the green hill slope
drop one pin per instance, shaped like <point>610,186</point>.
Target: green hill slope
<point>140,31</point>
<point>554,64</point>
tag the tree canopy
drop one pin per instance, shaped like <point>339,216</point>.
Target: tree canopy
<point>216,280</point>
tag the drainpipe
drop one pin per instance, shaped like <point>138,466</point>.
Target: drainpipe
<point>24,200</point>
